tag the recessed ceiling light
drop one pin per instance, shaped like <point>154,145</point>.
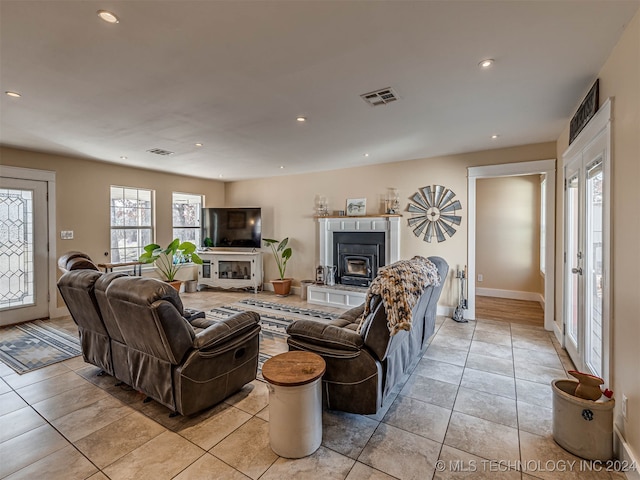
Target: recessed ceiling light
<point>486,63</point>
<point>13,94</point>
<point>108,16</point>
<point>301,119</point>
<point>199,144</point>
<point>281,167</point>
<point>365,154</point>
<point>494,136</point>
<point>122,157</point>
<point>220,176</point>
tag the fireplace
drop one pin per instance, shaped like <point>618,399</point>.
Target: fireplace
<point>357,256</point>
<point>367,243</point>
<point>357,267</point>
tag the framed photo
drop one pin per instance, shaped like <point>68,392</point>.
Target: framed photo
<point>356,207</point>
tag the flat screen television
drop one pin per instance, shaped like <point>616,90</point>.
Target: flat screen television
<point>231,227</point>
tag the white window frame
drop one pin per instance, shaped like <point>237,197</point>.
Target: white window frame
<point>139,228</point>
<point>181,197</point>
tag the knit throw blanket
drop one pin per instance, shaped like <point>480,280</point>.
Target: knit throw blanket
<point>400,285</point>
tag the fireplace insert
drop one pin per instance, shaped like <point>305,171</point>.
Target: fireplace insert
<point>358,256</point>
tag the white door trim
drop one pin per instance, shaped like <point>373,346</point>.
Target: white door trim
<point>49,177</point>
<point>547,167</point>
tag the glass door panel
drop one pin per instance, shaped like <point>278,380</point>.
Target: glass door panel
<point>23,251</point>
<point>594,269</point>
<point>573,260</point>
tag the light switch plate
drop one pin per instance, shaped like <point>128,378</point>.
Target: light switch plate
<point>66,234</point>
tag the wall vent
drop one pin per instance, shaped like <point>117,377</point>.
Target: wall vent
<point>160,151</point>
<point>380,97</point>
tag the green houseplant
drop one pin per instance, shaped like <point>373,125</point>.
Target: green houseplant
<point>170,260</point>
<point>282,254</point>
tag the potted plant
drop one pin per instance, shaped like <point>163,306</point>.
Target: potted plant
<point>282,254</point>
<point>171,259</point>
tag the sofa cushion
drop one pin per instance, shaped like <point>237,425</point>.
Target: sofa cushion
<point>220,332</point>
<point>331,336</point>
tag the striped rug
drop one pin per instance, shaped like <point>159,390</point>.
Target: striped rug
<point>33,345</point>
<point>274,318</point>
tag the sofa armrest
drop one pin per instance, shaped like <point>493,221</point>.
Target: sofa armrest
<point>325,335</point>
<point>225,330</point>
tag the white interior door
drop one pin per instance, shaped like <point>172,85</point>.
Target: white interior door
<point>24,285</point>
<point>586,265</point>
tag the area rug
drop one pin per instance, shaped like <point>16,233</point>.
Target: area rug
<point>274,318</point>
<point>33,345</point>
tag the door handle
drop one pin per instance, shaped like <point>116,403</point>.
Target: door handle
<point>577,270</point>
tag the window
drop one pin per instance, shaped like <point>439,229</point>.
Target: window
<point>543,221</point>
<point>131,222</point>
<point>186,217</point>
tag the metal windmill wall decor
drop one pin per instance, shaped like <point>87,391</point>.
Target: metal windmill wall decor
<point>434,213</point>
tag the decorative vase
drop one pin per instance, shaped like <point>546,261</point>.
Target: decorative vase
<point>330,279</point>
<point>282,287</point>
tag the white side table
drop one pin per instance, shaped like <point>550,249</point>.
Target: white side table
<point>295,402</point>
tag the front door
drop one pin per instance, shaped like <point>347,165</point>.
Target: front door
<point>24,274</point>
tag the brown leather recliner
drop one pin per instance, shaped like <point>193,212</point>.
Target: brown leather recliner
<point>168,361</point>
<point>363,368</point>
<point>185,366</point>
<point>77,290</point>
<point>84,294</point>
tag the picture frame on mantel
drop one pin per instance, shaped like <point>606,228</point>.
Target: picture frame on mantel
<point>356,207</point>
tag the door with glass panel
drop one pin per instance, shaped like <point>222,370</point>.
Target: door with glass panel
<point>585,307</point>
<point>23,251</point>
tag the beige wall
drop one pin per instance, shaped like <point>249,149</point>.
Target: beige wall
<point>288,203</point>
<point>82,197</point>
<point>620,78</point>
<point>508,233</point>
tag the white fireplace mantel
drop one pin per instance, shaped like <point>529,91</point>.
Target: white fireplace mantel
<point>390,225</point>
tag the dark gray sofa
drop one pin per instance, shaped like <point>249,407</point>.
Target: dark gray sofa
<point>363,368</point>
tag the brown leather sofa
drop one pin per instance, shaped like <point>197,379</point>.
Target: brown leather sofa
<point>134,329</point>
<point>363,368</point>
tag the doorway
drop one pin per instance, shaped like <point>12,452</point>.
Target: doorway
<point>586,246</point>
<point>543,167</point>
<point>27,277</point>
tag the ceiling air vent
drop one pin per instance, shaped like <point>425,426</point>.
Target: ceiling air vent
<point>380,97</point>
<point>160,151</point>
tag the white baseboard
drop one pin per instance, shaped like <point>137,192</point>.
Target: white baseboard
<point>445,311</point>
<point>625,455</point>
<point>58,312</point>
<point>512,294</point>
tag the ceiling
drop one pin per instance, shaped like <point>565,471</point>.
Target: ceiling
<point>234,75</point>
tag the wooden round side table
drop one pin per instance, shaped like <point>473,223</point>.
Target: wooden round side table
<point>295,402</point>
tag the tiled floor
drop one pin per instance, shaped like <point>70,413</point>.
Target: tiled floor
<point>478,402</point>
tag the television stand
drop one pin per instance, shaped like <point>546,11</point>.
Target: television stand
<point>227,269</point>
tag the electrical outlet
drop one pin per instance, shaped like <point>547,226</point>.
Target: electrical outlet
<point>480,277</point>
<point>66,234</point>
<point>624,406</point>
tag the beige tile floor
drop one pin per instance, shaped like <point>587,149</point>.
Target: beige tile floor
<point>479,401</point>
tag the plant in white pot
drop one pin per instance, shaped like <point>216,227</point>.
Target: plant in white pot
<point>282,254</point>
<point>171,259</point>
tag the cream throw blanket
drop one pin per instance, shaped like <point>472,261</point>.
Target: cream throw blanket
<point>400,285</point>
